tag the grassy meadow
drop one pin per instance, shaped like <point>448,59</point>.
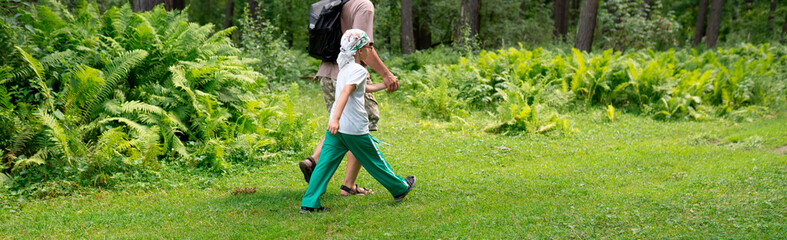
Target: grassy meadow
<point>634,177</point>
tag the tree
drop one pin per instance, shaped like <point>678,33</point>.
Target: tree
<point>560,11</point>
<point>468,17</point>
<point>407,36</point>
<point>587,25</point>
<point>175,4</point>
<point>714,23</point>
<point>771,13</point>
<point>784,30</point>
<point>147,5</point>
<point>574,12</point>
<point>253,9</point>
<point>423,35</point>
<point>229,13</point>
<point>522,9</point>
<point>699,25</point>
<point>747,5</point>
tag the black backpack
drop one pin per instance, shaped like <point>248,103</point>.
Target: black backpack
<point>325,29</point>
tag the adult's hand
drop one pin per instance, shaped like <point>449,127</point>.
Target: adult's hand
<point>391,82</point>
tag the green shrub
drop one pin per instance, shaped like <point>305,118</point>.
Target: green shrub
<point>92,97</point>
<point>435,96</point>
<point>667,85</point>
<point>262,40</point>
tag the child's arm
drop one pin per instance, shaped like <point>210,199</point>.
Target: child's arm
<point>375,87</point>
<point>333,124</point>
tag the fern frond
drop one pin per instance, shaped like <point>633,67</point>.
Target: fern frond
<point>223,34</point>
<point>23,137</point>
<point>56,133</point>
<point>5,99</point>
<point>32,63</point>
<point>38,159</point>
<point>82,88</point>
<point>171,141</point>
<point>144,35</point>
<point>62,58</point>
<point>117,70</point>
<point>6,74</point>
<point>137,106</point>
<point>116,21</point>
<point>111,44</point>
<point>137,128</point>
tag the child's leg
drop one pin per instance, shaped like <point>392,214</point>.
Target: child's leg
<point>370,157</point>
<point>333,151</point>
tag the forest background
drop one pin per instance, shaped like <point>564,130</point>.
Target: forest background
<point>109,93</point>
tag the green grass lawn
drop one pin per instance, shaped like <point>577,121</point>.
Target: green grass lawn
<point>632,178</point>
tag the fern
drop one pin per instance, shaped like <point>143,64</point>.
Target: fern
<point>5,99</point>
<point>56,133</point>
<point>32,64</point>
<point>37,159</point>
<point>117,69</point>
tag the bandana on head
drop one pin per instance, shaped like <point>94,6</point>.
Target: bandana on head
<point>352,40</point>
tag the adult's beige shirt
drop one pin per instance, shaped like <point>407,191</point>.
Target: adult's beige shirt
<point>356,14</point>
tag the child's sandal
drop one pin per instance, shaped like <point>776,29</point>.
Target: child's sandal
<point>357,191</point>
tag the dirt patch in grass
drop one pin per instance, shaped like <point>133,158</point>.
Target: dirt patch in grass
<point>781,150</point>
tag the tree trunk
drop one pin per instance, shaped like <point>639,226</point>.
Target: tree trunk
<point>229,13</point>
<point>522,9</point>
<point>771,15</point>
<point>699,25</point>
<point>176,4</point>
<point>560,10</point>
<point>146,5</point>
<point>784,30</point>
<point>747,5</point>
<point>407,38</point>
<point>587,25</point>
<point>714,23</point>
<point>574,11</point>
<point>423,35</point>
<point>253,5</point>
<point>468,17</point>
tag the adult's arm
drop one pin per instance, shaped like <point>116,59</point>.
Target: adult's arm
<point>333,125</point>
<point>373,60</point>
<point>364,20</point>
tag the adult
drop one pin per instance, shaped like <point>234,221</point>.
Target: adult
<point>356,14</point>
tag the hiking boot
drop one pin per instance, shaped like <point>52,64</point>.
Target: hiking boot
<point>411,183</point>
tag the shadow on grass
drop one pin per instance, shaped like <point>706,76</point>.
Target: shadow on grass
<point>266,199</point>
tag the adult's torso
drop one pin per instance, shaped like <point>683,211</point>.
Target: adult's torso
<point>355,14</point>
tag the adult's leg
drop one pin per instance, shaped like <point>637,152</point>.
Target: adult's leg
<point>367,153</point>
<point>317,150</point>
<point>307,166</point>
<point>370,104</point>
<point>351,174</point>
<point>333,151</point>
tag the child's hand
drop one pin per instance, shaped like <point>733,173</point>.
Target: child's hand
<point>333,126</point>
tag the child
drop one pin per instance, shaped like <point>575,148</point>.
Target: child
<point>348,128</point>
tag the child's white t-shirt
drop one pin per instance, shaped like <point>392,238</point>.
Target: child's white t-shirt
<point>354,120</point>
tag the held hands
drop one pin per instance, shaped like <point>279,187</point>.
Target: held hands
<point>391,82</point>
<point>333,126</point>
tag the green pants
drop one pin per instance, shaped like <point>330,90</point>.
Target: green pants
<point>365,150</point>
